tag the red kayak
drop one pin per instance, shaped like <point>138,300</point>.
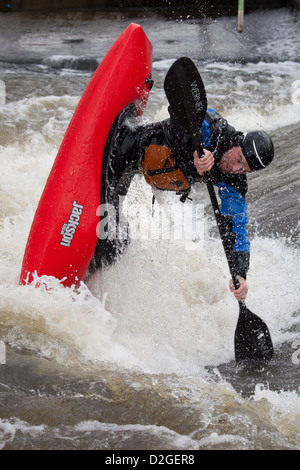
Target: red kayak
<point>63,234</point>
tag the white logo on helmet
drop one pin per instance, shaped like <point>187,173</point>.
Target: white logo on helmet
<point>257,155</point>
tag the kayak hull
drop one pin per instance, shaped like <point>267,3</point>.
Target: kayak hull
<point>63,234</point>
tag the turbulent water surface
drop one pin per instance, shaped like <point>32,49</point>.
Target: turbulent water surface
<point>141,356</point>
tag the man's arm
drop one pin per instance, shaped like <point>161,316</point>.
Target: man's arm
<point>234,211</point>
<point>235,217</point>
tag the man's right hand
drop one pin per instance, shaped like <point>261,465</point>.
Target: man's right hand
<point>205,163</point>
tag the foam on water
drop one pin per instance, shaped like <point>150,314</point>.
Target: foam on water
<point>164,311</point>
<point>251,104</point>
<point>219,419</point>
<point>162,307</point>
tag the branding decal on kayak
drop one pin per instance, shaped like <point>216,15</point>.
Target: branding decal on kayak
<point>68,230</point>
<point>197,97</point>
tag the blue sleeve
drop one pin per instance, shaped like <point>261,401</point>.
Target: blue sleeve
<point>234,205</point>
<point>205,129</point>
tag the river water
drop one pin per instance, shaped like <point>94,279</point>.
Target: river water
<point>141,356</point>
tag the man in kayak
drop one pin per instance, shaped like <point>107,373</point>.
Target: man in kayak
<point>163,152</point>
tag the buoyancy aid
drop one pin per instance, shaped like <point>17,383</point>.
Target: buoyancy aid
<point>168,158</point>
<point>161,170</point>
<point>166,163</point>
<point>166,170</point>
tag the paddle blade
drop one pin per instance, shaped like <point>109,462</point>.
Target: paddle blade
<point>252,337</point>
<point>186,94</point>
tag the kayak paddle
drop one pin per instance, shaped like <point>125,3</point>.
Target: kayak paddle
<point>187,97</point>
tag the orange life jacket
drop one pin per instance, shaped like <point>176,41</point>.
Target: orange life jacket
<point>161,170</point>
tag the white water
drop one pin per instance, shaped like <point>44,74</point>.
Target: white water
<point>173,302</point>
<point>163,310</point>
<point>161,307</point>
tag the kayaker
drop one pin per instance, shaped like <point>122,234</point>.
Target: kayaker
<point>163,152</point>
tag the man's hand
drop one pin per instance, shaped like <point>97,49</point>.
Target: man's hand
<point>241,292</point>
<point>204,163</point>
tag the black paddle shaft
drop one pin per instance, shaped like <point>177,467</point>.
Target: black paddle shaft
<point>187,97</point>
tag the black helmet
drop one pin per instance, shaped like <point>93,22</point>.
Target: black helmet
<point>258,149</point>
